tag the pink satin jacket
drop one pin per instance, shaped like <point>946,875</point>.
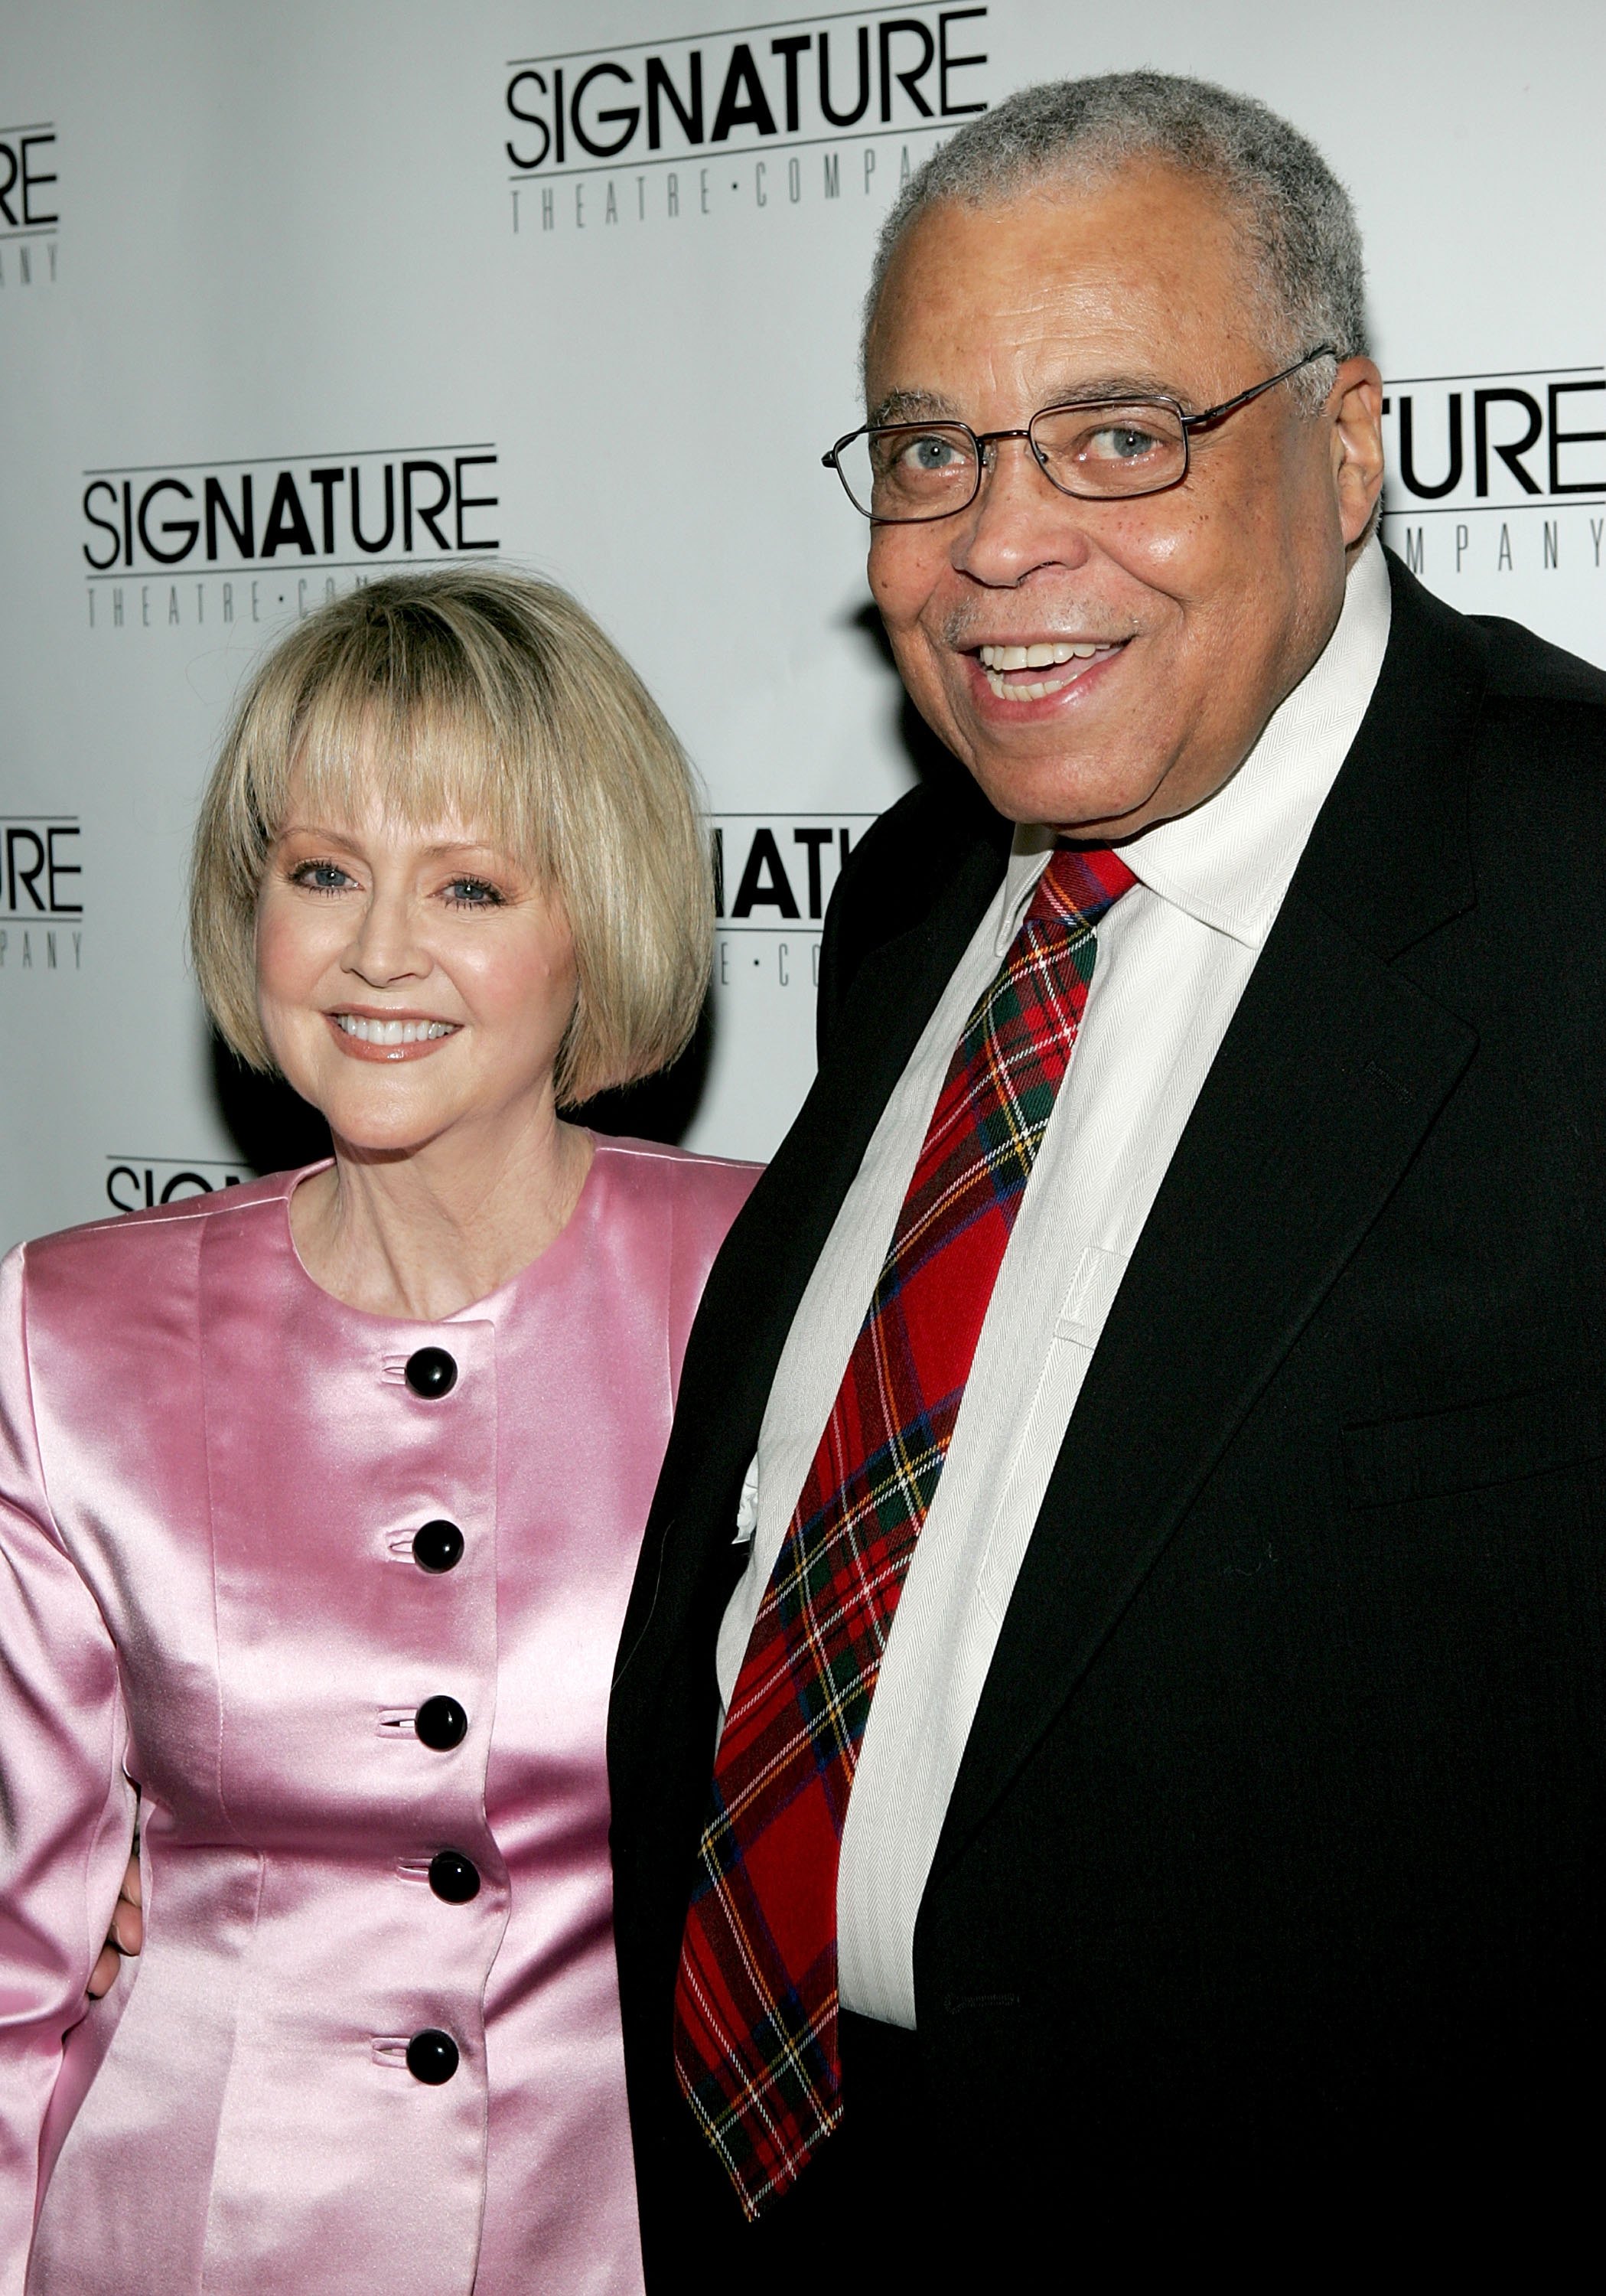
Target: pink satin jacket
<point>372,2041</point>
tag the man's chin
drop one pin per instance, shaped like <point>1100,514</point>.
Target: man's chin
<point>1095,801</point>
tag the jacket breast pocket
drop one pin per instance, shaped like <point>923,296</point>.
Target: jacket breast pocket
<point>1441,1452</point>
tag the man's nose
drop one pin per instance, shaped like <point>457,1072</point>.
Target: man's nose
<point>1020,520</point>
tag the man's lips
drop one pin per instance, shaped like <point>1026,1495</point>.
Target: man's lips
<point>370,1034</point>
<point>1041,670</point>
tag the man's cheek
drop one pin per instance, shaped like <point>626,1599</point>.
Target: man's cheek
<point>940,686</point>
<point>917,659</point>
<point>904,569</point>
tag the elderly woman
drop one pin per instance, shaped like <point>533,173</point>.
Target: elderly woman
<point>320,1500</point>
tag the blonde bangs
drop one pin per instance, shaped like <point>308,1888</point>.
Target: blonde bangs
<point>479,697</point>
<point>424,759</point>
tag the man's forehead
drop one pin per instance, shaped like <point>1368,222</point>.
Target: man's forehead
<point>1129,286</point>
<point>1128,217</point>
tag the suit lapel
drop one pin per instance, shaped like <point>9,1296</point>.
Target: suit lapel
<point>1333,1069</point>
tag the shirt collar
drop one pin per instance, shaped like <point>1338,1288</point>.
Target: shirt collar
<point>1228,863</point>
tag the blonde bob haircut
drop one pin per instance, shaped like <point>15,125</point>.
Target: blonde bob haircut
<point>472,694</point>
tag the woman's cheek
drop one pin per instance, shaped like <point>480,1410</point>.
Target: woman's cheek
<point>286,956</point>
<point>516,985</point>
<point>290,963</point>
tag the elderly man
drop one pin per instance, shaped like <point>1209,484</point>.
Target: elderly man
<point>1111,1713</point>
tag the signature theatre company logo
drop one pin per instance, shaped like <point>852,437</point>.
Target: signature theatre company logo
<point>774,873</point>
<point>210,543</point>
<point>41,894</point>
<point>768,115</point>
<point>30,209</point>
<point>136,1183</point>
<point>1497,473</point>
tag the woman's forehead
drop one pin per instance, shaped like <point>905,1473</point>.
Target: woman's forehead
<point>441,783</point>
<point>366,827</point>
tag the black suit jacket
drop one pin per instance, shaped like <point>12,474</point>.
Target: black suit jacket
<point>1274,1859</point>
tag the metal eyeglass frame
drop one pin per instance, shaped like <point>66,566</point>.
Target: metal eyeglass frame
<point>982,439</point>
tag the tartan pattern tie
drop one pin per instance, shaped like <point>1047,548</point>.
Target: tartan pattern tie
<point>756,2002</point>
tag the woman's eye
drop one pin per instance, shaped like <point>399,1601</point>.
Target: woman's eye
<point>472,893</point>
<point>321,877</point>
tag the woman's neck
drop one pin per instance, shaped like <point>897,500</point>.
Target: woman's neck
<point>422,1233</point>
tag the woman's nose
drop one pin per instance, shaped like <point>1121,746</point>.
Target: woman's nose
<point>387,948</point>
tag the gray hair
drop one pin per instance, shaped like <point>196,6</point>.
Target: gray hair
<point>1302,223</point>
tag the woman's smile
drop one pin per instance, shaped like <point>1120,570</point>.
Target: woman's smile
<point>370,1034</point>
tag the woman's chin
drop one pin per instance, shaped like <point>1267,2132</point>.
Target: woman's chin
<point>368,1134</point>
<point>373,1110</point>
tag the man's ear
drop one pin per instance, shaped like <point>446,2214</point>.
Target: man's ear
<point>1355,408</point>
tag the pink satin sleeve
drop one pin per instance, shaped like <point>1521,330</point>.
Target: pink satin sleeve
<point>66,1806</point>
<point>213,1478</point>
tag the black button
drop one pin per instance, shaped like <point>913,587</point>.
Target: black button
<point>431,1373</point>
<point>454,1877</point>
<point>437,1547</point>
<point>442,1724</point>
<point>431,2056</point>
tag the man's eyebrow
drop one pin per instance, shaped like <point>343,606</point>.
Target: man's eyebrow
<point>1114,386</point>
<point>913,406</point>
<point>931,407</point>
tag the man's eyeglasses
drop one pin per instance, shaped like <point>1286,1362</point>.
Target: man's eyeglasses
<point>1099,449</point>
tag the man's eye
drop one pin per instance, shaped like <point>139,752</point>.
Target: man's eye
<point>1120,442</point>
<point>931,454</point>
<point>321,877</point>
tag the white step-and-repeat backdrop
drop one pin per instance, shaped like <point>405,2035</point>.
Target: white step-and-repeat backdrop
<point>295,292</point>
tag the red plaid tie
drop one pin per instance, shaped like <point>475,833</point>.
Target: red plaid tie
<point>756,2005</point>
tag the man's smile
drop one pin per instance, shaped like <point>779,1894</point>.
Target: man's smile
<point>1073,657</point>
<point>1012,680</point>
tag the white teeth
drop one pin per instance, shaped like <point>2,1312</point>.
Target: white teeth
<point>1041,656</point>
<point>392,1032</point>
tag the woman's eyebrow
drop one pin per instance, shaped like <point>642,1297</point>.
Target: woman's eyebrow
<point>448,848</point>
<point>318,829</point>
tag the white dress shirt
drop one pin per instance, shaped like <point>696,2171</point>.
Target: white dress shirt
<point>1174,955</point>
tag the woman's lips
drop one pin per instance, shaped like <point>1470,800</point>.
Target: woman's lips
<point>371,1037</point>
